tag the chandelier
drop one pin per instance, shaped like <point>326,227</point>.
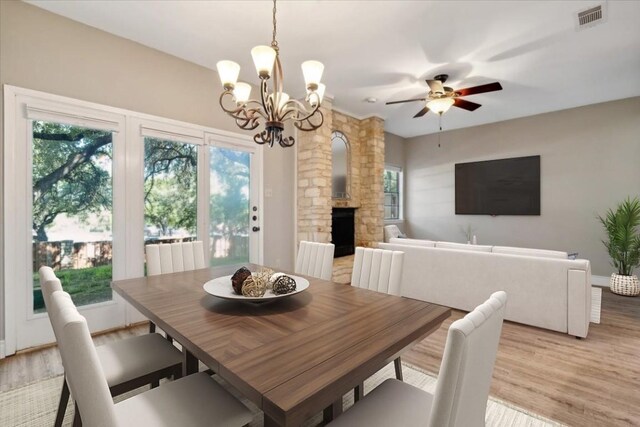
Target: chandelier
<point>274,106</point>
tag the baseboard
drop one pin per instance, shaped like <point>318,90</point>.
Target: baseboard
<point>602,281</point>
<point>2,353</point>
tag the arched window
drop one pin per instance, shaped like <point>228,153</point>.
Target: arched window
<point>341,156</point>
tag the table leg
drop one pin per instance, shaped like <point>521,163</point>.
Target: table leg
<point>269,422</point>
<point>189,363</point>
<point>332,412</point>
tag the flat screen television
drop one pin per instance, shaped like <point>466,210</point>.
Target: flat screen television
<point>499,187</point>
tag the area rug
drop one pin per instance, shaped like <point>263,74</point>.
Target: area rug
<point>35,405</point>
<point>596,303</point>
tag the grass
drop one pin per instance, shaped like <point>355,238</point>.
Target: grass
<point>86,286</point>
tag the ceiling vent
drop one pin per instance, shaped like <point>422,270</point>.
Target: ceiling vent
<point>591,17</point>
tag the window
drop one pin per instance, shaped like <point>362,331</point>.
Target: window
<point>392,193</point>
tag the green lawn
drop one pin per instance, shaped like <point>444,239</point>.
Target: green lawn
<point>86,286</point>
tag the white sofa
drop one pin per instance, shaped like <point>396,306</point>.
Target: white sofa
<point>545,288</point>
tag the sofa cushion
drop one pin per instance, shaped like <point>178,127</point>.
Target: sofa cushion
<point>413,242</point>
<point>543,253</point>
<point>463,246</point>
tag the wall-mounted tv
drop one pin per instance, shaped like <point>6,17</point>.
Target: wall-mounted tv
<point>499,187</point>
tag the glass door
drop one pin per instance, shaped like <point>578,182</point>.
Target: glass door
<point>234,214</point>
<point>71,182</point>
<point>170,191</point>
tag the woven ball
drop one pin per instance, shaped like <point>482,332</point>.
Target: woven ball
<point>273,278</point>
<point>284,285</point>
<point>254,287</point>
<point>264,275</point>
<point>238,279</point>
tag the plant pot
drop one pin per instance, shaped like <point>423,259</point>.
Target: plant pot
<point>624,285</point>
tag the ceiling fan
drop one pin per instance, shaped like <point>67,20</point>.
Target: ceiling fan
<point>440,98</point>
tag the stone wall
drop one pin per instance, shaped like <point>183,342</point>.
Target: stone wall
<point>366,140</point>
<point>370,216</point>
<point>314,180</point>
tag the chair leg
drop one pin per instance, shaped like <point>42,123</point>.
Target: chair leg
<point>398,365</point>
<point>152,327</point>
<point>62,406</point>
<point>77,421</point>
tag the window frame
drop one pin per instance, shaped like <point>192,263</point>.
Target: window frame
<point>400,198</point>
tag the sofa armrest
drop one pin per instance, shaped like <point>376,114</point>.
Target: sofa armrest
<point>578,302</point>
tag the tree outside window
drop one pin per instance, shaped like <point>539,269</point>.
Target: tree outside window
<point>392,193</point>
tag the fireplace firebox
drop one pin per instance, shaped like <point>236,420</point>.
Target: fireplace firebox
<point>343,231</point>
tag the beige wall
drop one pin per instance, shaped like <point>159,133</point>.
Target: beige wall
<point>43,51</point>
<point>394,150</point>
<point>590,161</point>
<point>395,155</point>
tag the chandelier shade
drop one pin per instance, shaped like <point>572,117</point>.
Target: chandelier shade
<point>228,72</point>
<point>274,106</point>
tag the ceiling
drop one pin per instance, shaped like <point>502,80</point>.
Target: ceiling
<point>385,49</point>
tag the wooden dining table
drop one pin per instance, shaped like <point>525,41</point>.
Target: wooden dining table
<point>294,357</point>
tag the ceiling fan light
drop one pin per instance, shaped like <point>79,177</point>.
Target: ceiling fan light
<point>440,105</point>
<point>228,72</point>
<point>241,92</point>
<point>263,59</point>
<point>312,71</point>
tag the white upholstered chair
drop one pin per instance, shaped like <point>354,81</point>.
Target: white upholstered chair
<point>196,400</point>
<point>460,399</point>
<point>315,259</point>
<point>127,364</point>
<point>378,270</point>
<point>173,258</point>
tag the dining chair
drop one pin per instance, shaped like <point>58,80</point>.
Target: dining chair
<point>315,259</point>
<point>460,398</point>
<point>378,270</point>
<point>173,258</point>
<point>128,363</point>
<point>195,400</point>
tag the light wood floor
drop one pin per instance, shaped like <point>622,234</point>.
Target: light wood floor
<point>591,382</point>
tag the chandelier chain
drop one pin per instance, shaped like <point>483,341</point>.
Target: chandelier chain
<point>274,42</point>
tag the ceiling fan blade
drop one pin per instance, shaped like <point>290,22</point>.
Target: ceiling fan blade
<point>489,87</point>
<point>435,86</point>
<point>421,113</point>
<point>405,100</point>
<point>466,105</point>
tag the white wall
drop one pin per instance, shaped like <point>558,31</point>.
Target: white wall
<point>590,161</point>
<point>43,51</point>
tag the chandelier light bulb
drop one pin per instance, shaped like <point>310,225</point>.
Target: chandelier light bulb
<point>228,72</point>
<point>312,71</point>
<point>440,105</point>
<point>263,59</point>
<point>316,96</point>
<point>241,92</point>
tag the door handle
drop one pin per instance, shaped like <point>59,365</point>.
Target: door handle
<point>256,229</point>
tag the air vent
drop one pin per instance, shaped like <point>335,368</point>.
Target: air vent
<point>590,17</point>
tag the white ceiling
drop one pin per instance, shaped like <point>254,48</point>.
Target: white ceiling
<point>385,49</point>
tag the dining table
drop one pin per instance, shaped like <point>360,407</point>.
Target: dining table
<point>294,357</point>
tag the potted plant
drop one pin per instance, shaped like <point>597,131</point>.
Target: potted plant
<point>623,244</point>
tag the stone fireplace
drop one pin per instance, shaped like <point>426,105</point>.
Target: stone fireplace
<point>366,167</point>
